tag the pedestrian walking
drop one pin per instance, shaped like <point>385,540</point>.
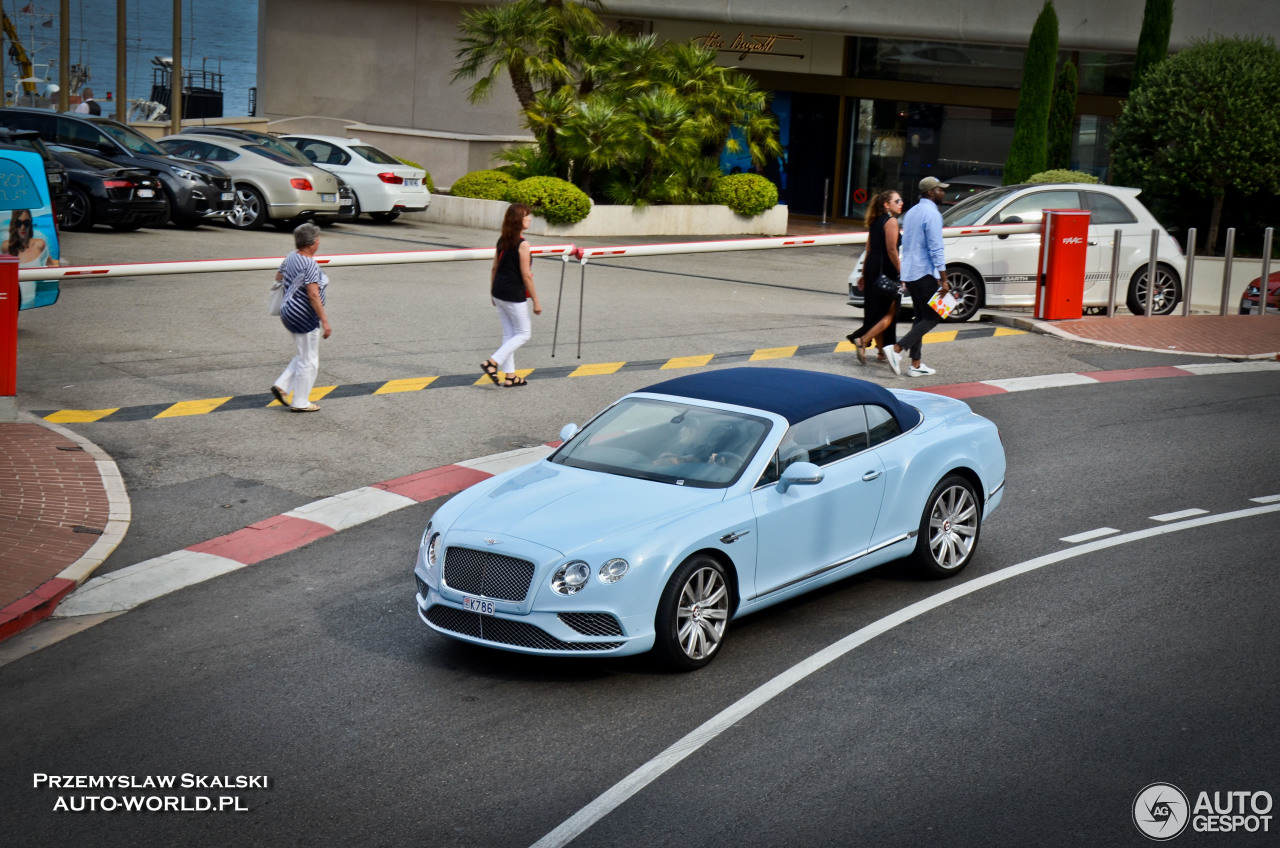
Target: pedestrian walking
<point>302,311</point>
<point>924,268</point>
<point>879,307</point>
<point>511,290</point>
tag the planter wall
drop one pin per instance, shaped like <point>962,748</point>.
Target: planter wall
<point>612,220</point>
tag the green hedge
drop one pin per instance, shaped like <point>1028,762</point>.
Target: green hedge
<point>746,194</point>
<point>483,185</point>
<point>1061,176</point>
<point>556,200</point>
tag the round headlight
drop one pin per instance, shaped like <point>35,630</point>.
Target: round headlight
<point>613,570</point>
<point>571,577</point>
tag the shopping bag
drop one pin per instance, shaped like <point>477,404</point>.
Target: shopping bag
<point>943,304</point>
<point>274,298</point>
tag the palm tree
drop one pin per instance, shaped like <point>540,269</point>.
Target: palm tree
<point>597,137</point>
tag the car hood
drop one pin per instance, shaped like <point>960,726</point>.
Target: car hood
<point>160,162</point>
<point>567,508</point>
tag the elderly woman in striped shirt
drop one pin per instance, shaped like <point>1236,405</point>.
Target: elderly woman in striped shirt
<point>303,315</point>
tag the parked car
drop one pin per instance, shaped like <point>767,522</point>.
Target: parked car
<point>346,197</point>
<point>268,185</point>
<point>700,499</point>
<point>1249,300</point>
<point>384,185</point>
<point>105,193</point>
<point>27,224</point>
<point>55,173</point>
<point>1000,270</point>
<point>196,192</point>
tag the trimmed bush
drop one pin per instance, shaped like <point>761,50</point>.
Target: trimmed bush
<point>556,200</point>
<point>746,194</point>
<point>1062,176</point>
<point>430,183</point>
<point>483,185</point>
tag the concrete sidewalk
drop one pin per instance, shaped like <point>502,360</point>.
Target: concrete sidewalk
<point>64,509</point>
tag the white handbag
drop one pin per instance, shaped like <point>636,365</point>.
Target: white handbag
<point>275,297</point>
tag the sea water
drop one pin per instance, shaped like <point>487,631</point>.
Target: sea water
<point>217,35</point>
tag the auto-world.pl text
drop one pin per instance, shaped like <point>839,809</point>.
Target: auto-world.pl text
<point>153,801</point>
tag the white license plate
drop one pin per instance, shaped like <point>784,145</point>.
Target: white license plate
<point>146,192</point>
<point>480,605</point>
<point>413,182</point>
<point>328,198</point>
<point>228,195</point>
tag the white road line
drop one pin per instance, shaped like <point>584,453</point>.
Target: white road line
<point>499,462</point>
<point>1265,499</point>
<point>659,765</point>
<point>1179,515</point>
<point>1046,381</point>
<point>351,508</point>
<point>1089,534</point>
<point>128,587</point>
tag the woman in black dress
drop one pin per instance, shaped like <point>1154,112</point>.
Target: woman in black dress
<point>879,310</point>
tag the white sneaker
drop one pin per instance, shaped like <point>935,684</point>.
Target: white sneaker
<point>921,370</point>
<point>895,359</point>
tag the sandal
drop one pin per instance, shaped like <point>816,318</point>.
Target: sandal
<point>311,407</point>
<point>490,368</point>
<point>512,382</point>
<point>861,350</point>
<point>279,393</point>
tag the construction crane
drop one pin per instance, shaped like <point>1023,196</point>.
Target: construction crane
<point>19,54</point>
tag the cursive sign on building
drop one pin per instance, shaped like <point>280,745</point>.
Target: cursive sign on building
<point>746,45</point>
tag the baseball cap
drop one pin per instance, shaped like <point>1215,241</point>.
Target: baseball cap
<point>930,183</point>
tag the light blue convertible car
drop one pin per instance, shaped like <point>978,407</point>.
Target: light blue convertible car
<point>701,499</point>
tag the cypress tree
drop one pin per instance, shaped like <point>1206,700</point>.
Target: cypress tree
<point>1153,41</point>
<point>1062,118</point>
<point>1031,126</point>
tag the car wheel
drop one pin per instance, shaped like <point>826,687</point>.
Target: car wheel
<point>949,528</point>
<point>966,285</point>
<point>384,217</point>
<point>77,212</point>
<point>692,614</point>
<point>1168,291</point>
<point>250,211</point>
<point>355,208</point>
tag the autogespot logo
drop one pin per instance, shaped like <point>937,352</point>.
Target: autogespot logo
<point>1160,811</point>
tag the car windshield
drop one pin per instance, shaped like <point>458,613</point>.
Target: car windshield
<point>375,155</point>
<point>669,442</point>
<point>273,155</point>
<point>131,138</point>
<point>974,209</point>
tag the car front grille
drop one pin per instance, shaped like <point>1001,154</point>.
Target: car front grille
<point>518,634</point>
<point>485,573</point>
<point>220,183</point>
<point>592,623</point>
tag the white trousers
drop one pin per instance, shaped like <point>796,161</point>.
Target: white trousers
<point>515,332</point>
<point>300,376</point>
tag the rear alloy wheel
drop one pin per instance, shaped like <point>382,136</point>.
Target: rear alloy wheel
<point>384,217</point>
<point>692,614</point>
<point>949,528</point>
<point>1167,295</point>
<point>966,285</point>
<point>77,211</point>
<point>250,210</point>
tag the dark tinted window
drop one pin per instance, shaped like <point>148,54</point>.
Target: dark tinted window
<point>79,134</point>
<point>42,124</point>
<point>1105,209</point>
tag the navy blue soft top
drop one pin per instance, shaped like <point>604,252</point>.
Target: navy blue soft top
<point>793,393</point>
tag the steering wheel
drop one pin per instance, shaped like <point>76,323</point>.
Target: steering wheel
<point>727,458</point>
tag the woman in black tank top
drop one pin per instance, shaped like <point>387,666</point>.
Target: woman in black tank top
<point>879,310</point>
<point>510,290</point>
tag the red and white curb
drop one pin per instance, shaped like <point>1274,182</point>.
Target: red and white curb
<point>129,587</point>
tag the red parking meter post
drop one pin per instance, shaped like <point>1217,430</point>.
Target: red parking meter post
<point>10,298</point>
<point>1064,239</point>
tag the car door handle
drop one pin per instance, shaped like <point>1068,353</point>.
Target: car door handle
<point>871,475</point>
<point>1092,243</point>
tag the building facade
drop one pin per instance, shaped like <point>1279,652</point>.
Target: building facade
<point>867,96</point>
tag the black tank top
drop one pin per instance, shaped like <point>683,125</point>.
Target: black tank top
<point>878,261</point>
<point>508,282</point>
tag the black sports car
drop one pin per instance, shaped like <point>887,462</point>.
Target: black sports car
<point>102,192</point>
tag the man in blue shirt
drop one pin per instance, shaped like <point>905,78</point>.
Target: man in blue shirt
<point>924,266</point>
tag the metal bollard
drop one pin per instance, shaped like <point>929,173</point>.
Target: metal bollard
<point>1264,287</point>
<point>1149,306</point>
<point>1115,273</point>
<point>1226,271</point>
<point>826,192</point>
<point>1187,277</point>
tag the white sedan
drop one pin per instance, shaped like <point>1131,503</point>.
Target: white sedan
<point>384,186</point>
<point>1000,270</point>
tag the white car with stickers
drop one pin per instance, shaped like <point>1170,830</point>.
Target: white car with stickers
<point>1000,270</point>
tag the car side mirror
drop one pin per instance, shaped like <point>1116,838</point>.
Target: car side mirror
<point>104,147</point>
<point>568,431</point>
<point>1012,219</point>
<point>799,474</point>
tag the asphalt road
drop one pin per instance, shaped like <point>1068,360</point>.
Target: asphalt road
<point>1031,711</point>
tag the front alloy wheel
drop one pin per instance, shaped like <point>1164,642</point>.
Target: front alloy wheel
<point>250,210</point>
<point>693,614</point>
<point>949,528</point>
<point>77,212</point>
<point>1168,291</point>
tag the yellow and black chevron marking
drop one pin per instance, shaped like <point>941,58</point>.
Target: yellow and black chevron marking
<point>415,384</point>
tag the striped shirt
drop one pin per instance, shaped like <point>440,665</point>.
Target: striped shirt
<point>296,312</point>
